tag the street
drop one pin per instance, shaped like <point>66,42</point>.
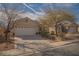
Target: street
<point>66,50</point>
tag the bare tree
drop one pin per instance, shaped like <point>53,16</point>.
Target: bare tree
<point>53,17</point>
<point>9,14</point>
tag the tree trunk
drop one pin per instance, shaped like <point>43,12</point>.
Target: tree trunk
<point>56,30</point>
<point>7,36</point>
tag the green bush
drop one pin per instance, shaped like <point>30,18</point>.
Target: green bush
<point>44,33</point>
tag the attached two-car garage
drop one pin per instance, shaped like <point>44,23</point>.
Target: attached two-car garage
<point>26,26</point>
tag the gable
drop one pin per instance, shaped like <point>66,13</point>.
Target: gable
<point>25,23</point>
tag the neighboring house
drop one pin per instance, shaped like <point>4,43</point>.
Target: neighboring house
<point>65,26</point>
<point>69,27</point>
<point>26,26</point>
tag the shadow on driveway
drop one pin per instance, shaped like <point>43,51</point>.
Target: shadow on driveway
<point>31,37</point>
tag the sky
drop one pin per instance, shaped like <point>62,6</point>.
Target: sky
<point>34,10</point>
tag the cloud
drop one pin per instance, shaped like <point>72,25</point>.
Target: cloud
<point>30,8</point>
<point>30,15</point>
<point>64,4</point>
<point>68,4</point>
<point>41,12</point>
<point>35,16</point>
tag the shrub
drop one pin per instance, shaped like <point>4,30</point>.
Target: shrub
<point>44,33</point>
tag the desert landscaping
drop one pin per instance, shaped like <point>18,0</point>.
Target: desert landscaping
<point>54,31</point>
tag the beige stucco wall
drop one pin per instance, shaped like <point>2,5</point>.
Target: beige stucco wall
<point>78,29</point>
<point>51,29</point>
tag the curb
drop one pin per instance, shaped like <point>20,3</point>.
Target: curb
<point>66,44</point>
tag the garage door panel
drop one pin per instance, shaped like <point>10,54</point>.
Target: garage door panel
<point>26,31</point>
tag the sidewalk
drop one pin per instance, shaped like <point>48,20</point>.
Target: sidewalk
<point>63,43</point>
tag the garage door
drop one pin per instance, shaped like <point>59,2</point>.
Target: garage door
<point>25,31</point>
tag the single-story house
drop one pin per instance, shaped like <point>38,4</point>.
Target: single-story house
<point>26,26</point>
<point>65,26</point>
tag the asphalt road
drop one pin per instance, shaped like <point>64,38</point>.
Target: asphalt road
<point>66,50</point>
